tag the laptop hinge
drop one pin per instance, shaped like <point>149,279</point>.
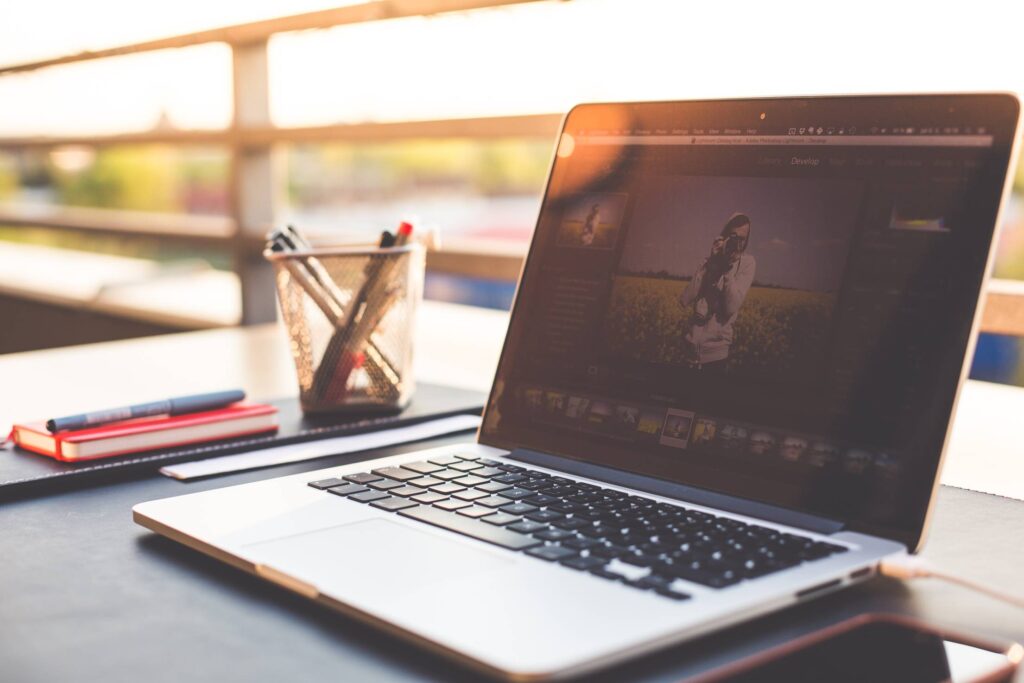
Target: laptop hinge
<point>681,492</point>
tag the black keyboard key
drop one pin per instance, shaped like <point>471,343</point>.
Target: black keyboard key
<point>511,469</point>
<point>533,484</point>
<point>465,466</point>
<point>493,501</point>
<point>326,483</point>
<point>347,489</point>
<point>540,500</point>
<point>500,519</point>
<point>361,478</point>
<point>397,473</point>
<point>553,535</point>
<point>448,475</point>
<point>469,494</point>
<point>595,531</point>
<point>582,498</point>
<point>444,460</point>
<point>822,546</point>
<point>585,564</point>
<point>407,491</point>
<point>572,523</point>
<point>475,511</point>
<point>469,480</point>
<point>580,543</point>
<point>518,509</point>
<point>640,560</point>
<point>392,504</point>
<point>651,582</point>
<point>493,487</point>
<point>470,527</point>
<point>369,496</point>
<point>566,508</point>
<point>488,462</point>
<point>425,482</point>
<point>674,594</point>
<point>698,572</point>
<point>551,553</point>
<point>608,550</point>
<point>517,493</point>
<point>544,516</point>
<point>605,574</point>
<point>527,527</point>
<point>429,498</point>
<point>509,478</point>
<point>452,505</point>
<point>385,484</point>
<point>487,472</point>
<point>423,467</point>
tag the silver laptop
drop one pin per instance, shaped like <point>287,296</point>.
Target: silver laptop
<point>726,388</point>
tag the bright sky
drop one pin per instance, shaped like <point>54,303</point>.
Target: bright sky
<point>532,58</point>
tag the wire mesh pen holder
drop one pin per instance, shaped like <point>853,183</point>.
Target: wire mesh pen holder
<point>349,315</point>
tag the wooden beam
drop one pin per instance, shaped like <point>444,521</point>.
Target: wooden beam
<point>478,259</point>
<point>540,126</point>
<point>260,31</point>
<point>1004,308</point>
<point>148,137</point>
<point>543,126</point>
<point>187,227</point>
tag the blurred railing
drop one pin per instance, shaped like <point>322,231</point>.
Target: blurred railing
<point>254,181</point>
<point>251,138</point>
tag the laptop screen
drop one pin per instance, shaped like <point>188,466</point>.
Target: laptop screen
<point>770,299</point>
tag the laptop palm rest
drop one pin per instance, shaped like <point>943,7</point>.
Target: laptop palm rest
<point>385,559</point>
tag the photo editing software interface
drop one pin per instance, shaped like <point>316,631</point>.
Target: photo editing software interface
<point>774,312</point>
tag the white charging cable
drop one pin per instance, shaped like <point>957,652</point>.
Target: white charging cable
<point>905,567</point>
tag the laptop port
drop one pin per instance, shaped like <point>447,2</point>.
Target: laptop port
<point>820,588</point>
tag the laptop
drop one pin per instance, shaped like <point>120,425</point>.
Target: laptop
<point>726,388</point>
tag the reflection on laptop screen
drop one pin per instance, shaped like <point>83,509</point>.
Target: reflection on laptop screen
<point>773,308</point>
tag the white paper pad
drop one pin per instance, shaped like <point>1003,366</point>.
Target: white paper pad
<point>280,455</point>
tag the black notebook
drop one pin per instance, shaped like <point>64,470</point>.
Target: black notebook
<point>25,473</point>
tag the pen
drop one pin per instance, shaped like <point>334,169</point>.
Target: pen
<point>331,380</point>
<point>294,241</point>
<point>309,284</point>
<point>317,283</point>
<point>171,406</point>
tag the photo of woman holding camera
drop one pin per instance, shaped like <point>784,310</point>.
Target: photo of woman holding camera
<point>716,294</point>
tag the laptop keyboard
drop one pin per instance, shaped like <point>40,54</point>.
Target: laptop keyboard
<point>634,540</point>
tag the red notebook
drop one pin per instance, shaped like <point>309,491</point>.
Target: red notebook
<point>147,434</point>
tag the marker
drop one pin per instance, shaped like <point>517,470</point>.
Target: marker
<point>172,406</point>
<point>404,231</point>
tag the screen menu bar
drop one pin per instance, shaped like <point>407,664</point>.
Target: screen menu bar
<point>974,140</point>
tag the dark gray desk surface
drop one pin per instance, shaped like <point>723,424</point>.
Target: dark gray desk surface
<point>85,594</point>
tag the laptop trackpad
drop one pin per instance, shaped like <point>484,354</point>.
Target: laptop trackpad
<point>380,558</point>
